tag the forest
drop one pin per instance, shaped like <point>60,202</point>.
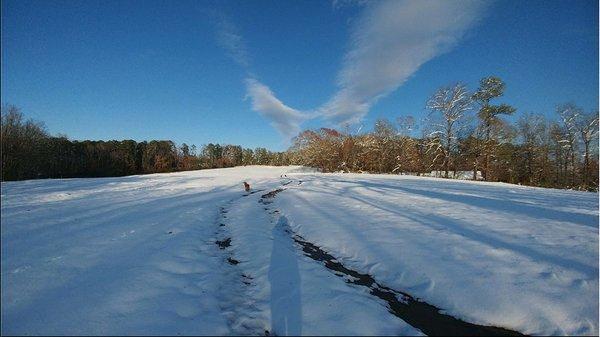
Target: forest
<point>29,152</point>
<point>462,132</point>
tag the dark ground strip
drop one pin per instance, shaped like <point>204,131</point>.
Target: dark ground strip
<point>271,194</point>
<point>224,243</point>
<point>418,314</point>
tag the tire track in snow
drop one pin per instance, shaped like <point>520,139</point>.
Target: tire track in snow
<point>415,312</point>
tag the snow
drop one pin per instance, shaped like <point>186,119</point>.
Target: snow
<point>137,255</point>
<point>295,294</point>
<point>117,255</point>
<point>494,254</point>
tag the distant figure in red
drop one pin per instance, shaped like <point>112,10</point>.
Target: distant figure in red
<point>246,186</point>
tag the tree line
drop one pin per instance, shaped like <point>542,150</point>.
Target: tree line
<point>466,131</point>
<point>29,152</point>
<point>463,132</point>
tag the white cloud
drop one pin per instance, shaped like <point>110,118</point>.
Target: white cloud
<point>389,43</point>
<point>283,118</point>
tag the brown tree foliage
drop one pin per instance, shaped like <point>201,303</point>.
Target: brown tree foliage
<point>532,151</point>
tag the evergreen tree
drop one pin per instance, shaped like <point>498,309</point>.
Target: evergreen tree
<point>489,121</point>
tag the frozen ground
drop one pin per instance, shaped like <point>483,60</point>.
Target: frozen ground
<point>191,253</point>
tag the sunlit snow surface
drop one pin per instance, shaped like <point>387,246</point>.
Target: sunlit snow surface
<point>137,255</point>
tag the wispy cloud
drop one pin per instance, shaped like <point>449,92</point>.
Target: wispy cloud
<point>283,118</point>
<point>389,43</point>
<point>229,38</point>
<point>339,4</point>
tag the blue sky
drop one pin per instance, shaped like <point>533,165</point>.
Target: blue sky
<point>254,72</point>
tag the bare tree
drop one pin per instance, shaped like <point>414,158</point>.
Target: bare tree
<point>587,127</point>
<point>21,145</point>
<point>406,158</point>
<point>406,125</point>
<point>559,153</point>
<point>532,129</point>
<point>451,104</point>
<point>385,144</point>
<point>570,114</point>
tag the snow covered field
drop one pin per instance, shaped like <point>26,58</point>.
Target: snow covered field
<point>192,253</point>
